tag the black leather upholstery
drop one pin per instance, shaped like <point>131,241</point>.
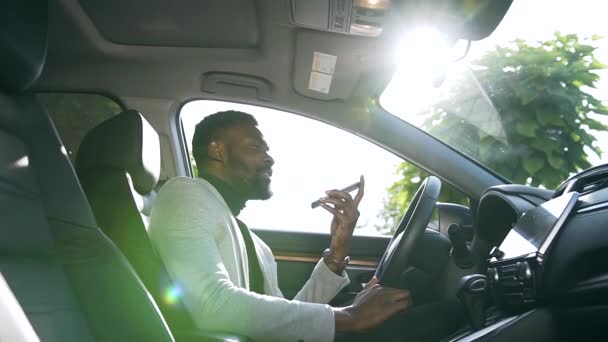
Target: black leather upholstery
<point>71,281</point>
<point>113,159</point>
<point>124,142</point>
<point>23,31</point>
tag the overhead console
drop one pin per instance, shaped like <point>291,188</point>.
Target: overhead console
<point>345,49</point>
<point>469,20</point>
<point>353,17</point>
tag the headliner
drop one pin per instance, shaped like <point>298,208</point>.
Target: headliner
<point>81,58</point>
<point>86,52</point>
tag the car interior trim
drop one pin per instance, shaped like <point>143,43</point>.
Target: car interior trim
<point>313,258</point>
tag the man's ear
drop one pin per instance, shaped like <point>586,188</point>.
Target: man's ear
<point>216,151</point>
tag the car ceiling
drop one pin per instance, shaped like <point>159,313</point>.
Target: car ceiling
<point>172,50</point>
<point>162,49</point>
<point>208,24</point>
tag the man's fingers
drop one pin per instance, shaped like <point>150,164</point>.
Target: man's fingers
<point>338,203</point>
<point>330,209</point>
<point>401,294</point>
<point>339,194</point>
<point>400,305</point>
<point>400,300</point>
<point>361,191</point>
<point>397,294</point>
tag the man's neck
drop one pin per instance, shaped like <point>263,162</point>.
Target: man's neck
<point>235,200</point>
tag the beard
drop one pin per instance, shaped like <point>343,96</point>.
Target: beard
<point>252,185</point>
<point>260,187</point>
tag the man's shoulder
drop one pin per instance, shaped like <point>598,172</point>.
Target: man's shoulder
<point>180,181</point>
<point>185,185</point>
<point>185,199</point>
<point>186,190</point>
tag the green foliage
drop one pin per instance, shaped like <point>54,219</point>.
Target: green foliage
<point>540,93</point>
<point>194,167</point>
<point>402,192</point>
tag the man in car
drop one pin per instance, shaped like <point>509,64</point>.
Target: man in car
<point>226,275</point>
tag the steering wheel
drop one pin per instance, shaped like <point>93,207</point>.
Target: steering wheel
<point>396,258</point>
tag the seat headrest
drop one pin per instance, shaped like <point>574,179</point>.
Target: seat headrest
<point>23,41</point>
<point>126,142</point>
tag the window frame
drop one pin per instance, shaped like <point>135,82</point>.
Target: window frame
<point>182,143</point>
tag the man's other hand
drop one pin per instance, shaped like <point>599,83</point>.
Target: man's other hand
<point>346,213</point>
<point>371,307</point>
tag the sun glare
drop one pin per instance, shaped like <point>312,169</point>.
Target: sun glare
<point>422,59</point>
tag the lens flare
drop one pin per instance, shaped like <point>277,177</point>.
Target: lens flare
<point>172,294</point>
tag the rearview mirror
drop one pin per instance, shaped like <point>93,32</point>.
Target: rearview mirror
<point>458,19</point>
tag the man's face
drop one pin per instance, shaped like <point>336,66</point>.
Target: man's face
<point>248,164</point>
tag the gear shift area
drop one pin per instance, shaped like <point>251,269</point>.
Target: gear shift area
<point>472,293</point>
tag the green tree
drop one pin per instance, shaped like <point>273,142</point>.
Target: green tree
<point>542,104</point>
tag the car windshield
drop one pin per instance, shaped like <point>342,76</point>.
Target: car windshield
<point>527,102</point>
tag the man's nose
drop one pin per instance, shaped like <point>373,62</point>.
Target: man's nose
<point>268,160</point>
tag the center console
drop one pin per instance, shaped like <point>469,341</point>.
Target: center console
<point>515,268</point>
<point>546,279</point>
<point>514,274</point>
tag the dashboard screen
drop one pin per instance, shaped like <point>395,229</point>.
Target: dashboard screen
<point>536,228</point>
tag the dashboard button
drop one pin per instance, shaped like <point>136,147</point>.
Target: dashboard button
<point>524,272</point>
<point>493,274</point>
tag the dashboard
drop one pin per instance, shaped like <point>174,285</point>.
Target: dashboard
<point>544,251</point>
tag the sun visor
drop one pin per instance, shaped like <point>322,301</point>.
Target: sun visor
<point>330,66</point>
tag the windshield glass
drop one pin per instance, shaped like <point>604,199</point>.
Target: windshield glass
<point>527,102</point>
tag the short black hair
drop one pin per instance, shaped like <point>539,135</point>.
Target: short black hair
<point>211,128</point>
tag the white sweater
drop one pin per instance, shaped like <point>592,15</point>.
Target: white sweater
<point>199,240</point>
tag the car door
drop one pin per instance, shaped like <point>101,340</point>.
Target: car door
<point>297,252</point>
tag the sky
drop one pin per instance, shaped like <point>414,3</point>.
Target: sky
<point>307,165</point>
